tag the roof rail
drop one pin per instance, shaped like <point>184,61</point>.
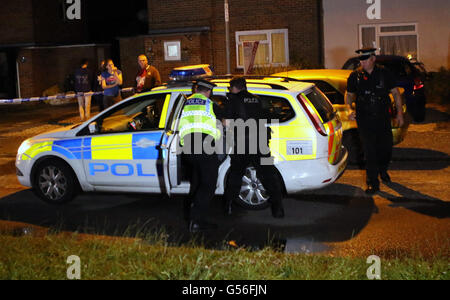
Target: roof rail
<point>224,77</point>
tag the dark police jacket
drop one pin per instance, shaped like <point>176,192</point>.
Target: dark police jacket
<point>247,106</point>
<point>372,92</point>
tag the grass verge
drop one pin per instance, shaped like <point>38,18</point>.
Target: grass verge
<point>28,257</point>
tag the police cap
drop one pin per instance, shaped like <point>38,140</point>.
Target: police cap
<point>365,53</point>
<point>205,84</point>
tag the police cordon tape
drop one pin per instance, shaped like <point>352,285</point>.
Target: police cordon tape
<point>56,97</point>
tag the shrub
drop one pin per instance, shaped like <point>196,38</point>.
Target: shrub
<point>438,87</point>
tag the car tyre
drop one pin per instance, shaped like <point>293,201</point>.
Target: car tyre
<point>55,182</point>
<point>253,195</point>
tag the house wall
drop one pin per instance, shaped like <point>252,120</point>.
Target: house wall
<point>342,18</point>
<point>302,18</point>
<point>42,67</point>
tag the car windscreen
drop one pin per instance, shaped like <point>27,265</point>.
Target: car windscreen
<point>321,104</point>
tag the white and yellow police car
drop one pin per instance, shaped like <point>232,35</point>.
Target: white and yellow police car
<point>131,146</point>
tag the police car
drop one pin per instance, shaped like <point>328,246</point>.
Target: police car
<point>132,146</point>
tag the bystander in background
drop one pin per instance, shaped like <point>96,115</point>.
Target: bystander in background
<point>147,77</point>
<point>83,84</point>
<point>111,82</point>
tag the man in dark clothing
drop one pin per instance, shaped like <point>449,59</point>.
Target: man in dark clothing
<point>369,86</point>
<point>148,76</point>
<point>246,107</point>
<point>83,84</point>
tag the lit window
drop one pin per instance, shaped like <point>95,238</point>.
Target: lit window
<point>392,39</point>
<point>172,51</point>
<point>273,49</point>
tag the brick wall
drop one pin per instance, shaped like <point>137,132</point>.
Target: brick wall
<point>39,22</point>
<point>302,18</point>
<point>195,49</point>
<point>45,67</point>
<point>51,26</point>
<point>130,49</point>
<point>16,22</point>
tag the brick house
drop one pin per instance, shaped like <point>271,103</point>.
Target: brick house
<point>184,32</point>
<point>39,46</point>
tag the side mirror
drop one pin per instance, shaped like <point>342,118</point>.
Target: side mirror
<point>93,128</point>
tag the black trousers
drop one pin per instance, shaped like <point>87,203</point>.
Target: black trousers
<point>203,179</point>
<point>376,137</point>
<point>266,173</point>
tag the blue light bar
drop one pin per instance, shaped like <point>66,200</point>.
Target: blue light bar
<point>190,72</point>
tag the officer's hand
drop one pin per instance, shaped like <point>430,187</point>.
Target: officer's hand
<point>352,115</point>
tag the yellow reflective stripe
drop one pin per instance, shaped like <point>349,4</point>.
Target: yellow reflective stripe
<point>38,148</point>
<point>282,134</point>
<point>112,147</point>
<point>162,121</point>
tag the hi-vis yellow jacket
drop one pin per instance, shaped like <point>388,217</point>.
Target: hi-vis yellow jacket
<point>198,116</point>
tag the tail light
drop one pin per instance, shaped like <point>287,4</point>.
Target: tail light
<point>418,84</point>
<point>312,114</point>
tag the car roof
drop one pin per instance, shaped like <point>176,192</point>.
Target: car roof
<point>316,73</point>
<point>383,58</point>
<point>264,83</point>
<point>337,78</point>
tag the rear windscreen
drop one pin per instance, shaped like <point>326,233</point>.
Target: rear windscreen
<point>322,105</point>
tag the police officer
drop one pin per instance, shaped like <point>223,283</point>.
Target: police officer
<point>198,131</point>
<point>246,106</point>
<point>369,86</point>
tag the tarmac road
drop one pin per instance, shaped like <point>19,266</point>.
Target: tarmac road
<point>411,215</point>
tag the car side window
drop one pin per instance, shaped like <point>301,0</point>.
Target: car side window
<point>279,108</point>
<point>332,94</point>
<point>139,114</point>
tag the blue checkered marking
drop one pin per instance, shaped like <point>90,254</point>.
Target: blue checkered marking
<point>69,148</point>
<point>148,151</point>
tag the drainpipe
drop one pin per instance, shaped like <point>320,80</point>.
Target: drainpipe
<point>227,35</point>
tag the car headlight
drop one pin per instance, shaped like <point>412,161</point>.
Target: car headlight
<point>23,148</point>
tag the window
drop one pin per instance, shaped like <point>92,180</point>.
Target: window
<point>279,108</point>
<point>140,114</point>
<point>322,105</point>
<point>332,94</point>
<point>394,39</point>
<point>172,51</point>
<point>273,47</point>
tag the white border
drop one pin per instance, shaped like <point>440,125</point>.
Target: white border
<point>166,52</point>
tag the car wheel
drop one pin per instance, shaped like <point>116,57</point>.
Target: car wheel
<point>253,195</point>
<point>55,182</point>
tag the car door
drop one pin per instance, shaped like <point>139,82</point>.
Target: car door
<point>171,160</point>
<point>124,149</point>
